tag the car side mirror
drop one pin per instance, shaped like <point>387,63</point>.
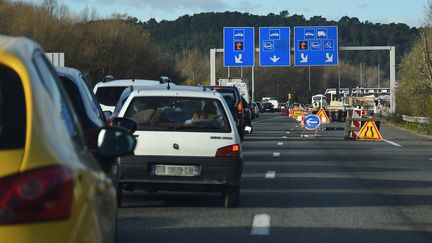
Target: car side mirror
<point>125,123</point>
<point>107,115</point>
<point>114,142</point>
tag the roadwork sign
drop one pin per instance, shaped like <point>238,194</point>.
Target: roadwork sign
<point>323,116</point>
<point>369,131</point>
<point>312,122</point>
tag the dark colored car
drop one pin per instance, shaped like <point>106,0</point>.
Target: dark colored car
<point>90,115</point>
<point>237,107</point>
<point>268,107</point>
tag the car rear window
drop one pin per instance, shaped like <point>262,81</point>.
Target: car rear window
<point>178,114</point>
<point>12,110</point>
<point>109,95</point>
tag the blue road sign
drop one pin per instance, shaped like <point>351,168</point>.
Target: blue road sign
<point>274,46</point>
<point>239,46</point>
<point>316,46</point>
<point>312,122</point>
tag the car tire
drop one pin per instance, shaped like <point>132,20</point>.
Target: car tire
<point>232,197</point>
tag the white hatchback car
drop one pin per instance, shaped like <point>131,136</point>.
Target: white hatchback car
<point>108,91</point>
<point>187,140</point>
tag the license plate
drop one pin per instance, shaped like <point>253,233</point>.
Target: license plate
<point>176,170</point>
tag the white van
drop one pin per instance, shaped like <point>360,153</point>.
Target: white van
<point>242,87</point>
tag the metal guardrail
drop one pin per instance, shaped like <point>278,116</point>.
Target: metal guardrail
<point>415,119</point>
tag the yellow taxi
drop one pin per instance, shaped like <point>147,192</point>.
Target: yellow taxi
<point>51,187</point>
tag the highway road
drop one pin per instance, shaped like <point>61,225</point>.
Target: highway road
<point>294,189</point>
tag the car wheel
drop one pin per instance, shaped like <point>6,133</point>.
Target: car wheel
<point>232,197</point>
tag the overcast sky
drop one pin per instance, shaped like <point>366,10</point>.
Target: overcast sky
<point>410,12</point>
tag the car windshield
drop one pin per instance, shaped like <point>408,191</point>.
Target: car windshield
<point>109,95</point>
<point>178,114</point>
<point>12,110</point>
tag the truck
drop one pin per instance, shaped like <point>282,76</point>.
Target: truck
<point>240,83</point>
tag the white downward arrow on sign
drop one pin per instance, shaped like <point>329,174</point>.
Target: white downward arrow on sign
<point>274,58</point>
<point>329,58</point>
<point>303,58</point>
<point>238,59</point>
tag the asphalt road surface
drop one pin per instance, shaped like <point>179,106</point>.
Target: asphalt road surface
<point>301,189</point>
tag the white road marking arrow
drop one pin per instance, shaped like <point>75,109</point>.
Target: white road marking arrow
<point>329,58</point>
<point>304,58</point>
<point>238,59</point>
<point>274,58</point>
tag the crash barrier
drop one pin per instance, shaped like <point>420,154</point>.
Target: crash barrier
<point>368,128</point>
<point>415,119</point>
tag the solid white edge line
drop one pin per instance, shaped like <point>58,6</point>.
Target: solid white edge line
<point>276,154</point>
<point>271,174</point>
<point>392,143</point>
<point>261,224</point>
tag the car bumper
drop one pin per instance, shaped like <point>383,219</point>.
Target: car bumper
<point>134,172</point>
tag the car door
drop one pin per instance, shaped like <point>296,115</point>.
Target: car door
<point>97,205</point>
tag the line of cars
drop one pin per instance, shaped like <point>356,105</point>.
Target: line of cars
<point>65,166</point>
<point>189,138</point>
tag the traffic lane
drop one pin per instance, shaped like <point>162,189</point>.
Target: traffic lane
<point>301,208</point>
<point>369,180</point>
<point>183,217</point>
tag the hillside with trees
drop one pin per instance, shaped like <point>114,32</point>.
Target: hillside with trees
<point>126,47</point>
<point>414,95</point>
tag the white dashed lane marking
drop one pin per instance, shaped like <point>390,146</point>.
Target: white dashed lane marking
<point>392,143</point>
<point>279,144</point>
<point>276,154</point>
<point>270,174</point>
<point>261,225</point>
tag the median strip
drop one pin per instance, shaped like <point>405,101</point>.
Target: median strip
<point>261,225</point>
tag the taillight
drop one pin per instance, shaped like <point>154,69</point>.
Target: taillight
<point>240,106</point>
<point>38,195</point>
<point>110,120</point>
<point>229,151</point>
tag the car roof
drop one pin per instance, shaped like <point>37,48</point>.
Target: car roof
<point>177,90</point>
<point>127,82</point>
<point>19,46</point>
<point>72,73</point>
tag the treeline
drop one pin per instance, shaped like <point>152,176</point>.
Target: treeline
<point>126,47</point>
<point>198,33</point>
<point>96,47</point>
<point>414,95</point>
<point>204,31</point>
